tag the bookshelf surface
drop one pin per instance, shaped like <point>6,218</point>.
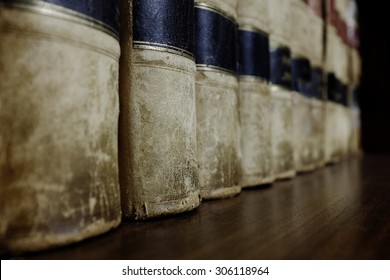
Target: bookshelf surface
<point>337,212</point>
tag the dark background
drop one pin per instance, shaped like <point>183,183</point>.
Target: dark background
<point>374,94</point>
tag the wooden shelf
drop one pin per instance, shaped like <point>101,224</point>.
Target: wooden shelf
<point>337,212</point>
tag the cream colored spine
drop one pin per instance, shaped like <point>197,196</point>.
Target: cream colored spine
<point>354,67</point>
<point>340,127</point>
<point>281,97</point>
<point>315,51</point>
<point>344,77</point>
<point>255,104</point>
<point>331,126</point>
<point>58,127</point>
<point>218,128</point>
<point>355,110</point>
<point>159,167</point>
<point>302,121</point>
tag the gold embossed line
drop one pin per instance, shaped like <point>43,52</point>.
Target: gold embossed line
<point>62,13</point>
<point>162,48</point>
<point>206,67</point>
<point>215,9</point>
<point>253,29</point>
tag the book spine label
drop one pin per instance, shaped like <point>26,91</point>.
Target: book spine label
<point>254,53</point>
<point>216,39</point>
<point>59,91</point>
<point>164,25</point>
<point>162,173</point>
<point>102,14</point>
<point>337,91</point>
<point>280,67</point>
<point>218,130</point>
<point>301,76</point>
<point>317,83</point>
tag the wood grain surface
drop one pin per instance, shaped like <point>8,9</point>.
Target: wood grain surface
<point>337,212</point>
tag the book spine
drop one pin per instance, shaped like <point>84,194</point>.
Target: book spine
<point>332,85</point>
<point>158,127</point>
<point>301,71</point>
<point>58,121</point>
<point>315,48</point>
<point>345,140</point>
<point>355,107</point>
<point>280,89</point>
<point>354,78</point>
<point>218,130</point>
<point>254,97</point>
<point>339,128</point>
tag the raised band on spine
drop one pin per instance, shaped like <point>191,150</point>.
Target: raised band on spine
<point>215,40</point>
<point>254,53</point>
<point>301,75</point>
<point>337,91</point>
<point>102,15</point>
<point>317,83</point>
<point>164,25</point>
<point>280,67</point>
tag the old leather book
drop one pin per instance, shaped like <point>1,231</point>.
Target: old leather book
<point>355,145</point>
<point>281,95</point>
<point>316,53</point>
<point>301,85</point>
<point>58,121</point>
<point>254,97</point>
<point>218,130</point>
<point>355,140</point>
<point>331,125</point>
<point>339,127</point>
<point>159,168</point>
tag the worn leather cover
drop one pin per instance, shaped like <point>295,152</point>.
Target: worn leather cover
<point>355,144</point>
<point>254,97</point>
<point>159,167</point>
<point>282,137</point>
<point>218,129</point>
<point>302,86</point>
<point>58,124</point>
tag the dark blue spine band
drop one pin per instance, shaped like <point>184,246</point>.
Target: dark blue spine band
<point>355,96</point>
<point>344,94</point>
<point>254,54</point>
<point>280,67</point>
<point>301,76</point>
<point>164,24</point>
<point>337,91</point>
<point>104,13</point>
<point>317,82</point>
<point>215,40</point>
